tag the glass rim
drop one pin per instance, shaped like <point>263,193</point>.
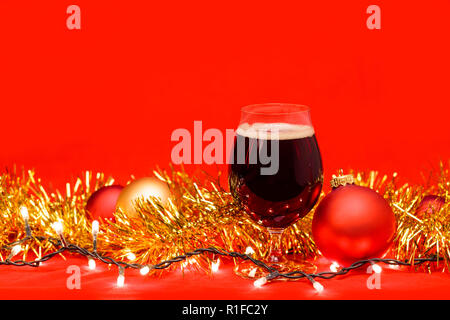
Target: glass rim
<point>258,108</point>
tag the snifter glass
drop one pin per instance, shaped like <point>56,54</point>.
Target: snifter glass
<point>275,174</point>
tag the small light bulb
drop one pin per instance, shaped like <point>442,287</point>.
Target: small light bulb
<point>24,213</point>
<point>95,228</point>
<point>131,256</point>
<point>249,250</point>
<point>260,282</point>
<point>144,270</point>
<point>15,250</point>
<point>394,266</point>
<point>91,264</point>
<point>334,267</point>
<point>215,265</point>
<point>121,277</point>
<point>252,272</point>
<point>376,268</point>
<point>120,281</point>
<point>318,287</point>
<point>58,227</point>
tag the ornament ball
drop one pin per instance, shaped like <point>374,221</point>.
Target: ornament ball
<point>353,223</point>
<point>430,204</point>
<point>102,203</point>
<point>140,189</point>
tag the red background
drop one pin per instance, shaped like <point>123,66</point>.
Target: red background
<point>107,97</point>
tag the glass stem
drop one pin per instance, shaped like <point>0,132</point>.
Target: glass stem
<point>275,251</point>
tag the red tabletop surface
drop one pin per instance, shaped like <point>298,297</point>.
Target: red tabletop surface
<point>49,281</point>
<point>107,98</point>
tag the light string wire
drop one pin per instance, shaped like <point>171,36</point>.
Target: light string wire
<point>202,214</point>
<point>425,237</point>
<point>273,273</point>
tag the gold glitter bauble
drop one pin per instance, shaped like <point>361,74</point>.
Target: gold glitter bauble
<point>141,189</point>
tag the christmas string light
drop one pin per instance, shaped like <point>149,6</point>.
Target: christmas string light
<point>317,286</point>
<point>252,272</point>
<point>144,270</point>
<point>201,209</point>
<point>14,251</point>
<point>201,214</point>
<point>91,263</point>
<point>334,267</point>
<point>376,268</point>
<point>265,279</point>
<point>394,266</point>
<point>58,227</point>
<point>249,250</point>
<point>215,265</point>
<point>121,277</point>
<point>25,216</point>
<point>95,229</point>
<point>260,282</point>
<point>131,256</point>
<point>273,274</point>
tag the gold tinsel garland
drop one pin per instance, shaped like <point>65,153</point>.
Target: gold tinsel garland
<point>200,213</point>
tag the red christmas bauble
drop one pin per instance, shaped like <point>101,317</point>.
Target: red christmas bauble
<point>102,203</point>
<point>430,204</point>
<point>353,223</point>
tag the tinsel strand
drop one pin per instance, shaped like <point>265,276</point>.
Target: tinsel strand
<point>201,214</point>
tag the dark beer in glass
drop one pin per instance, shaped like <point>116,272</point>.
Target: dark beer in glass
<point>275,170</point>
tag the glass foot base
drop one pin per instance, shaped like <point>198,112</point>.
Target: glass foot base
<point>288,263</point>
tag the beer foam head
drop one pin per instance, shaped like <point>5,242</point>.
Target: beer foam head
<point>275,131</point>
